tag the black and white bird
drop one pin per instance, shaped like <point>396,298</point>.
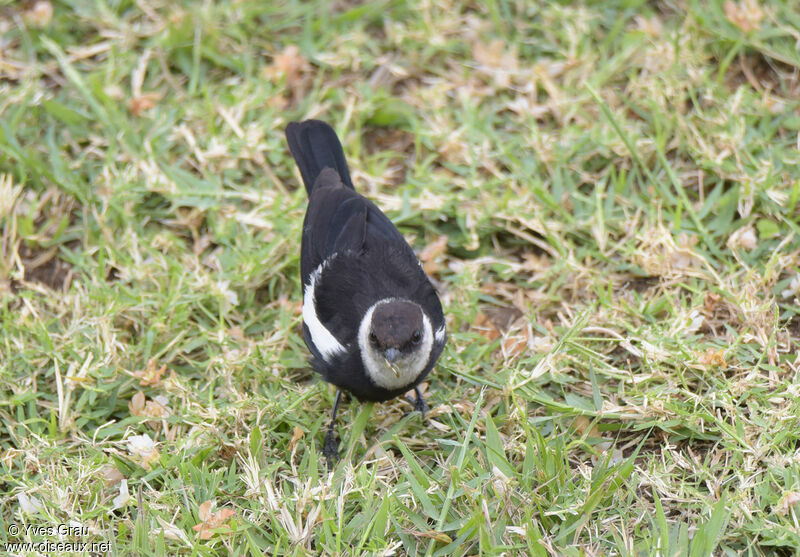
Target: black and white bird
<point>371,317</point>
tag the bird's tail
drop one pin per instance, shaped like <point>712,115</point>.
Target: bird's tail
<point>314,146</point>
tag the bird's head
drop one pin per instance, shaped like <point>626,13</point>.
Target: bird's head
<point>395,339</point>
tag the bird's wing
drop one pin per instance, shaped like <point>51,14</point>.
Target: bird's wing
<point>357,257</point>
<point>339,220</point>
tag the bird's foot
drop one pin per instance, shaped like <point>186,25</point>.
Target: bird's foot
<point>331,449</point>
<point>419,404</point>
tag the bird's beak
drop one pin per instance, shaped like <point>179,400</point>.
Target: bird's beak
<point>390,355</point>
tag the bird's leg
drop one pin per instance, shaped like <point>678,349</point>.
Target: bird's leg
<point>419,404</point>
<point>331,447</point>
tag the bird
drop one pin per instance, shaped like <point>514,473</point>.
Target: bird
<point>372,319</point>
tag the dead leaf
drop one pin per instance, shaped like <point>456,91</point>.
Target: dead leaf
<point>746,15</point>
<point>454,149</point>
<point>136,405</point>
<point>295,307</point>
<point>650,26</point>
<point>210,520</point>
<point>297,434</point>
<point>496,60</point>
<point>111,474</point>
<point>542,344</point>
<point>226,452</point>
<point>484,326</point>
<point>503,317</point>
<point>150,375</point>
<point>710,302</point>
<point>7,457</point>
<point>143,448</point>
<point>289,64</point>
<point>172,382</point>
<point>39,14</point>
<point>431,252</point>
<point>787,502</point>
<point>659,254</point>
<point>584,426</point>
<point>608,453</point>
<point>143,102</point>
<point>744,237</point>
<point>277,101</point>
<point>171,532</point>
<point>123,497</point>
<point>712,358</point>
<point>201,243</point>
<point>794,287</point>
<point>516,344</point>
<point>156,408</point>
<point>28,503</point>
<point>236,333</point>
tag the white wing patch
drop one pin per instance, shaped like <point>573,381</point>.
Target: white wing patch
<point>440,334</point>
<point>324,341</point>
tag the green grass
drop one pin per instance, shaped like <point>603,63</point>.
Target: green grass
<point>618,185</point>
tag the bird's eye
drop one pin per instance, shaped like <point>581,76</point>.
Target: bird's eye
<point>416,337</point>
<point>372,338</point>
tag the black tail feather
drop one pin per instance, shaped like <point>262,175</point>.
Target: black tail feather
<point>314,146</point>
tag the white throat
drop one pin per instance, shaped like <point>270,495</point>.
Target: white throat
<point>408,366</point>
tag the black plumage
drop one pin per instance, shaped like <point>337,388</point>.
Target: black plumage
<point>372,319</point>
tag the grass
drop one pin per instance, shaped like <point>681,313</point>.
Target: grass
<point>606,195</point>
